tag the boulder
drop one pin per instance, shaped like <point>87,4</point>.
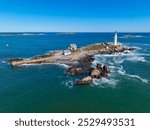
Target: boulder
<point>119,48</point>
<point>86,80</point>
<point>99,66</point>
<point>96,73</point>
<point>106,69</point>
<point>74,71</point>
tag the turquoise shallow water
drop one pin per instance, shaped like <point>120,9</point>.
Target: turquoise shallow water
<point>46,88</point>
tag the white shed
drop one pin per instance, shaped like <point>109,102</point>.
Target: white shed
<point>66,52</point>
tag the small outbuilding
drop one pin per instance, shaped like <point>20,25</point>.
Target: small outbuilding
<point>66,52</point>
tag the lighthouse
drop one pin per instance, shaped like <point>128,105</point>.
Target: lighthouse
<point>115,39</point>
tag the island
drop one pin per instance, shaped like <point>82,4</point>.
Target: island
<point>79,60</point>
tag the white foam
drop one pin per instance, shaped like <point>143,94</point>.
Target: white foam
<point>138,77</point>
<point>136,59</point>
<point>49,52</point>
<point>123,72</point>
<point>112,67</point>
<point>116,67</point>
<point>119,58</point>
<point>3,62</point>
<point>118,54</point>
<point>61,65</point>
<point>105,82</point>
<point>68,83</point>
<point>95,62</point>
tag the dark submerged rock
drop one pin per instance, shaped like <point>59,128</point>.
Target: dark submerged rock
<point>106,69</point>
<point>99,66</point>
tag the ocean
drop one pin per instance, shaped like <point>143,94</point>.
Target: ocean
<point>46,88</point>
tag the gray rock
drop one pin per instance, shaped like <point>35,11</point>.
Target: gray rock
<point>85,80</point>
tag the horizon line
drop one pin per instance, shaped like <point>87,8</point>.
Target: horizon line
<point>74,32</point>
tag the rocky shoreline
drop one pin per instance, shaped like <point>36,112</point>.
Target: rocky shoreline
<point>74,57</point>
<point>79,60</point>
<point>98,72</point>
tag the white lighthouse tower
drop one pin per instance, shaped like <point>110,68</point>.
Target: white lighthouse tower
<point>115,39</point>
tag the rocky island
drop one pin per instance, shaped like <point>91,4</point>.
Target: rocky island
<point>79,59</point>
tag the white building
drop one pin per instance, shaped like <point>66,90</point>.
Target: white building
<point>66,52</point>
<point>72,47</point>
<point>115,39</point>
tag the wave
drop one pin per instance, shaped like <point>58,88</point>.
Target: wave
<point>138,77</point>
<point>136,59</point>
<point>68,83</point>
<point>105,82</point>
<point>49,52</point>
<point>3,62</point>
<point>61,65</point>
<point>119,58</point>
<point>115,63</point>
<point>123,72</point>
<point>122,54</point>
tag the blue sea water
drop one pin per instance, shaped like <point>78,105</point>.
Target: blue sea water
<point>47,88</point>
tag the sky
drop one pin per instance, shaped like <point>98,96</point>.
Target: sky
<point>74,15</point>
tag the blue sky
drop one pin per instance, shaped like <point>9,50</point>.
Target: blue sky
<point>74,15</point>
